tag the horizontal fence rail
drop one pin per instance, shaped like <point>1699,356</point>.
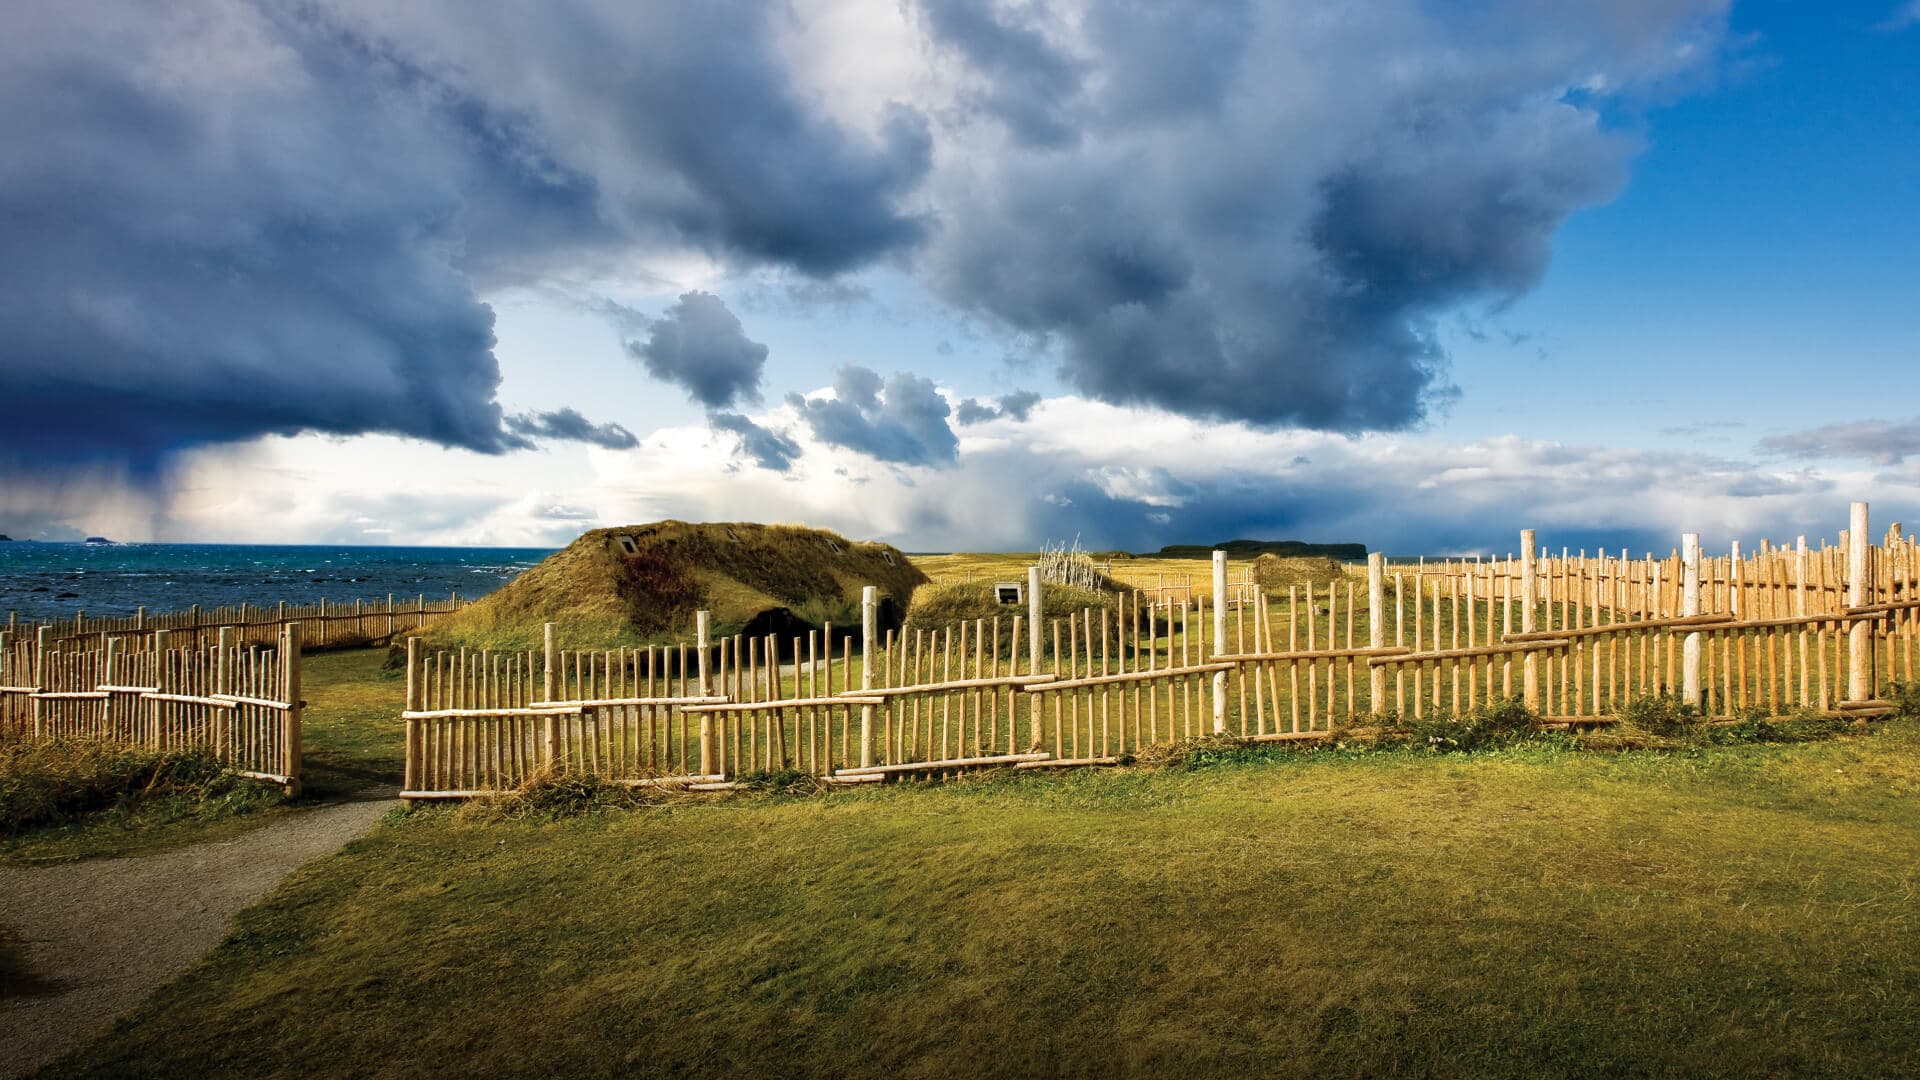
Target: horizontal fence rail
<point>1576,640</point>
<point>240,701</point>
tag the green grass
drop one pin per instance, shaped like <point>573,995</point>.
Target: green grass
<point>66,798</point>
<point>1733,910</point>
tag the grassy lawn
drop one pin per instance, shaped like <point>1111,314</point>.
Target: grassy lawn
<point>352,741</point>
<point>1536,911</point>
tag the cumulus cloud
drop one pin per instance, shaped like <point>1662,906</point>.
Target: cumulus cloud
<point>222,219</point>
<point>701,345</point>
<point>1256,212</point>
<point>567,425</point>
<point>1879,441</point>
<point>1015,406</point>
<point>769,449</point>
<point>902,419</point>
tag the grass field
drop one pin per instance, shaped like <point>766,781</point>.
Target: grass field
<point>1732,910</point>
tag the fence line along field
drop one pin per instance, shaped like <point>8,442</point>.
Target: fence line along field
<point>240,701</point>
<point>1575,639</point>
<point>326,624</point>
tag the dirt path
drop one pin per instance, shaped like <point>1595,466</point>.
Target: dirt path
<point>104,934</point>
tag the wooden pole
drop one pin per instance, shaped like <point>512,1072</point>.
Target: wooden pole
<point>1690,605</point>
<point>222,663</point>
<point>1530,683</point>
<point>869,640</point>
<point>1376,630</point>
<point>1219,640</point>
<point>549,684</point>
<point>1036,616</point>
<point>294,714</point>
<point>1860,681</point>
<point>702,631</point>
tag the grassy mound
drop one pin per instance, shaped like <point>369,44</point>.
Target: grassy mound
<point>940,606</point>
<point>642,584</point>
<point>1276,572</point>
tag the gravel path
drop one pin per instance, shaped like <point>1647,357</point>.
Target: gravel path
<point>107,933</point>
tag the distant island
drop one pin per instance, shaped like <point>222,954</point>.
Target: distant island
<point>1250,549</point>
<point>5,539</point>
<point>98,540</point>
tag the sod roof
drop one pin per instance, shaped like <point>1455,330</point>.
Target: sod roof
<point>642,584</point>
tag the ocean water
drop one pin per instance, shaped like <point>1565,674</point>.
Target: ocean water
<point>41,581</point>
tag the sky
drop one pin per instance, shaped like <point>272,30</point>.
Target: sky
<point>960,275</point>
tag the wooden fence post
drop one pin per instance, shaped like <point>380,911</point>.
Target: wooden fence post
<point>1689,606</point>
<point>869,637</point>
<point>295,711</point>
<point>703,644</point>
<point>1036,616</point>
<point>1529,554</point>
<point>1861,685</point>
<point>40,636</point>
<point>1377,627</point>
<point>412,725</point>
<point>548,687</point>
<point>222,669</point>
<point>1219,640</point>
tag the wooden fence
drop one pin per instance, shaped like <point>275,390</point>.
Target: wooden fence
<point>324,624</point>
<point>239,700</point>
<point>1575,642</point>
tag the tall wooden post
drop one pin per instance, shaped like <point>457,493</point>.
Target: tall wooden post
<point>1219,640</point>
<point>549,685</point>
<point>1690,605</point>
<point>869,640</point>
<point>1529,555</point>
<point>703,644</point>
<point>294,713</point>
<point>41,640</point>
<point>1861,685</point>
<point>414,688</point>
<point>1036,615</point>
<point>222,663</point>
<point>1377,628</point>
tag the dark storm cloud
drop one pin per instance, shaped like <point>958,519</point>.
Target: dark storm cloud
<point>702,346</point>
<point>1272,241</point>
<point>1879,441</point>
<point>769,449</point>
<point>1015,406</point>
<point>902,419</point>
<point>567,425</point>
<point>1025,80</point>
<point>223,220</point>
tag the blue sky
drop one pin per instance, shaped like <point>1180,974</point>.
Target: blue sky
<point>960,275</point>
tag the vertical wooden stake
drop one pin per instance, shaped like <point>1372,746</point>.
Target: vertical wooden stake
<point>702,643</point>
<point>1219,640</point>
<point>1690,605</point>
<point>1036,616</point>
<point>548,684</point>
<point>1376,630</point>
<point>1860,681</point>
<point>1530,681</point>
<point>295,711</point>
<point>869,640</point>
